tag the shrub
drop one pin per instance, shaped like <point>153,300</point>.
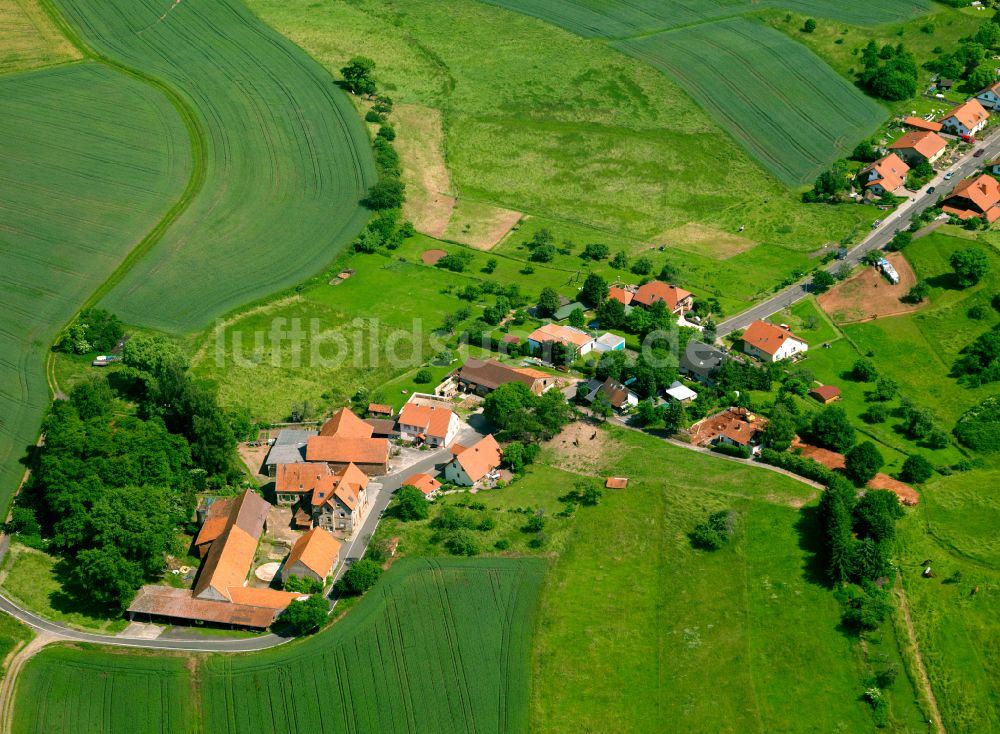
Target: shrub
<point>535,524</point>
<point>809,26</point>
<point>740,452</point>
<point>865,609</point>
<point>916,469</point>
<point>876,413</point>
<point>303,585</point>
<point>538,541</point>
<point>451,518</point>
<point>462,542</point>
<point>714,532</point>
<point>642,266</point>
<point>979,428</point>
<point>979,312</point>
<point>423,376</point>
<point>410,504</point>
<point>864,370</point>
<point>360,577</point>
<point>502,544</point>
<point>801,465</point>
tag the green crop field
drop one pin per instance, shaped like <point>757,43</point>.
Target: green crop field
<point>619,18</point>
<point>70,690</point>
<point>791,110</point>
<point>437,646</point>
<point>560,127</point>
<point>79,191</point>
<point>29,39</point>
<point>282,159</point>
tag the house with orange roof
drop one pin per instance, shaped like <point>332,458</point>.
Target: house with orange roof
<point>677,300</point>
<point>733,426</point>
<point>975,197</point>
<point>425,483</point>
<point>220,594</point>
<point>770,343</point>
<point>434,425</point>
<point>346,439</point>
<point>314,556</point>
<point>922,124</point>
<point>297,481</point>
<point>966,119</point>
<point>477,465</point>
<point>989,98</point>
<point>340,502</point>
<point>578,340</point>
<point>884,176</point>
<point>623,295</point>
<point>919,146</point>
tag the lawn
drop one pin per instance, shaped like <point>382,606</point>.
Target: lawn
<point>281,157</point>
<point>621,18</point>
<point>36,581</point>
<point>29,39</point>
<point>636,624</point>
<point>89,185</point>
<point>955,612</point>
<point>787,106</point>
<point>374,328</point>
<point>556,126</point>
<point>66,690</point>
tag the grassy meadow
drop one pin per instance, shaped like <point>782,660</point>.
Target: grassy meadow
<point>89,186</point>
<point>787,106</point>
<point>12,634</point>
<point>91,689</point>
<point>559,127</point>
<point>281,158</point>
<point>29,39</point>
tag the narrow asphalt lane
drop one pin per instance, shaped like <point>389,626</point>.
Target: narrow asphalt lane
<point>879,238</point>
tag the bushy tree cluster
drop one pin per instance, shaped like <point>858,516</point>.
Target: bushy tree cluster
<point>95,330</point>
<point>715,532</point>
<point>888,72</point>
<point>109,492</point>
<point>979,428</point>
<point>523,416</point>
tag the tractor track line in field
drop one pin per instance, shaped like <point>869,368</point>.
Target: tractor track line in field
<point>918,660</point>
<point>198,155</point>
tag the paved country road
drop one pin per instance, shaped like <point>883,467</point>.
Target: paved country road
<point>879,238</point>
<point>194,643</point>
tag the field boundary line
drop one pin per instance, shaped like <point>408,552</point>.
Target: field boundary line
<point>196,137</point>
<point>8,687</point>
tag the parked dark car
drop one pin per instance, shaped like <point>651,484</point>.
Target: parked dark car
<point>979,153</point>
<point>931,190</point>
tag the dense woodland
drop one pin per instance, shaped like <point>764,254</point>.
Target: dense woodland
<point>114,484</point>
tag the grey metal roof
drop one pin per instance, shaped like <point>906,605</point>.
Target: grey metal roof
<point>293,437</point>
<point>702,359</point>
<point>286,455</point>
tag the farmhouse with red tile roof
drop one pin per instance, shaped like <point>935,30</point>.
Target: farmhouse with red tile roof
<point>477,464</point>
<point>676,299</point>
<point>433,424</point>
<point>313,556</point>
<point>919,146</point>
<point>975,197</point>
<point>886,175</point>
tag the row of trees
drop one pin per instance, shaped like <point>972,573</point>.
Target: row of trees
<point>889,72</point>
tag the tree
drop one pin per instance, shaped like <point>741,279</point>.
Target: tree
<point>517,455</point>
<point>360,577</point>
<point>831,429</point>
<point>674,416</point>
<point>901,239</point>
<point>981,77</point>
<point>822,282</point>
<point>916,469</point>
<point>595,251</point>
<point>809,26</point>
<point>714,532</point>
<point>359,75</point>
<point>110,579</point>
<point>970,265</point>
<point>864,370</point>
<point>594,290</point>
<point>386,193</point>
<point>490,266</point>
<point>410,504</point>
<point>462,542</point>
<point>602,408</point>
<point>865,152</point>
<point>619,261</point>
<point>577,318</point>
<point>507,404</point>
<point>306,615</point>
<point>642,266</point>
<point>543,253</point>
<point>917,293</point>
<point>886,388</point>
<point>862,462</point>
<point>548,302</point>
<point>611,314</point>
<point>780,429</point>
<point>876,514</point>
<point>979,362</point>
